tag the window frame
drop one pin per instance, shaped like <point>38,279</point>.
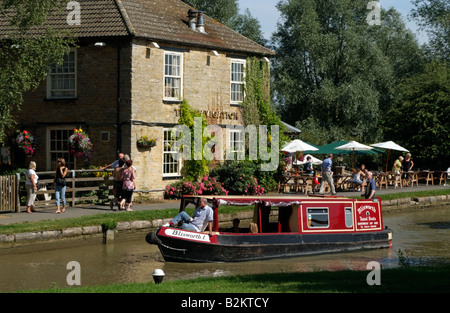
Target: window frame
<point>71,162</point>
<point>50,76</point>
<point>233,143</point>
<point>348,216</point>
<point>241,83</point>
<point>180,76</point>
<point>166,145</point>
<point>320,214</point>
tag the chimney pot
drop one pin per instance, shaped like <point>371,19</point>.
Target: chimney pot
<point>192,14</point>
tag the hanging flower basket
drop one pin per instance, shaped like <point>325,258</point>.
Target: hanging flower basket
<point>145,142</point>
<point>80,146</point>
<point>25,141</point>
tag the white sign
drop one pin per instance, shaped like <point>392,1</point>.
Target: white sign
<point>172,232</point>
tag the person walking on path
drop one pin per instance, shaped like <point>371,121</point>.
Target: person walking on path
<point>31,181</point>
<point>118,184</point>
<point>60,185</point>
<point>128,185</point>
<point>327,175</point>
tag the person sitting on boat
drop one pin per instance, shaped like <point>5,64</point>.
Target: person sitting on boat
<point>371,187</point>
<point>203,217</point>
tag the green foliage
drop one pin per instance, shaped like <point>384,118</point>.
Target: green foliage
<point>333,72</point>
<point>239,177</point>
<point>434,17</point>
<point>197,166</point>
<point>25,58</point>
<point>420,120</point>
<point>227,12</point>
<point>206,186</point>
<point>109,225</point>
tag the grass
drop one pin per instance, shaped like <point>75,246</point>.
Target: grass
<point>414,194</point>
<point>98,219</point>
<point>430,279</point>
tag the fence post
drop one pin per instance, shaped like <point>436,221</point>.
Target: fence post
<point>73,188</point>
<point>17,193</point>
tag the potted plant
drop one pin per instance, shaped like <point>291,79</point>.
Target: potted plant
<point>80,145</point>
<point>25,141</point>
<point>145,142</point>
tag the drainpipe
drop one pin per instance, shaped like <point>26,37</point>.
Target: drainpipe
<point>118,126</point>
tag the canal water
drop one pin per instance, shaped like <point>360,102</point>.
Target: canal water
<point>421,236</point>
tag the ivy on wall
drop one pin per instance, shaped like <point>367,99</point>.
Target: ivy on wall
<point>197,167</point>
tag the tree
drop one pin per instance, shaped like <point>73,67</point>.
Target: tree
<point>327,71</point>
<point>227,12</point>
<point>334,73</point>
<point>420,121</point>
<point>434,16</point>
<point>25,58</point>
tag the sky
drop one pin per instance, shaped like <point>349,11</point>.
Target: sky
<point>267,14</point>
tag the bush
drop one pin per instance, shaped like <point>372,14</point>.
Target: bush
<point>206,186</point>
<point>239,177</point>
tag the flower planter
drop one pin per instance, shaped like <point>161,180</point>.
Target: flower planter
<point>146,145</point>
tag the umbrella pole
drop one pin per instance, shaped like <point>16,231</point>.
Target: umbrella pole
<point>387,161</point>
<point>353,162</point>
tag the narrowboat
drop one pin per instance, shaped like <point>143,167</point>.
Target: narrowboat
<point>282,226</point>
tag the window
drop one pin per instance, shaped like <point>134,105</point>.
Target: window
<point>105,135</point>
<point>171,166</point>
<point>318,218</point>
<point>173,76</point>
<point>236,141</point>
<point>58,140</point>
<point>348,217</point>
<point>61,79</point>
<point>237,81</point>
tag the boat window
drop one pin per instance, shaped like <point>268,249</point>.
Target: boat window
<point>348,217</point>
<point>318,218</point>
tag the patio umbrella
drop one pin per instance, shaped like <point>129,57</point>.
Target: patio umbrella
<point>315,161</point>
<point>352,146</point>
<point>389,145</point>
<point>298,145</point>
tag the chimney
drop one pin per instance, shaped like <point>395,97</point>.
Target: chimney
<point>200,23</point>
<point>192,15</point>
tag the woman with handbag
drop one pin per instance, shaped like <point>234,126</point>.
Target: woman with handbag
<point>60,184</point>
<point>31,184</point>
<point>129,176</point>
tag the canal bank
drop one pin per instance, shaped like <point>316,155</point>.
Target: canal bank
<point>7,239</point>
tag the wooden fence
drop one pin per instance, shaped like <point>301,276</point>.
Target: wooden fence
<point>9,193</point>
<point>82,186</point>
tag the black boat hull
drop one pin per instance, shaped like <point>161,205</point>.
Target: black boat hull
<point>238,248</point>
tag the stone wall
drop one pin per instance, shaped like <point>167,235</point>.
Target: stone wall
<point>206,87</point>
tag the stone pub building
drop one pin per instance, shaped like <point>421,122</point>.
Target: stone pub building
<point>134,62</point>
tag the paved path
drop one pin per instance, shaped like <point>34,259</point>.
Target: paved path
<point>47,214</point>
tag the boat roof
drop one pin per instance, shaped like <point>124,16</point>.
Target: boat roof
<point>275,200</point>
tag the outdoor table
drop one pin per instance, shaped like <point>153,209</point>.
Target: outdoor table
<point>341,181</point>
<point>381,179</point>
<point>441,175</point>
<point>427,176</point>
<point>410,177</point>
<point>305,182</point>
<point>394,179</point>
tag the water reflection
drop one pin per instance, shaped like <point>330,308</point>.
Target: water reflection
<point>420,235</point>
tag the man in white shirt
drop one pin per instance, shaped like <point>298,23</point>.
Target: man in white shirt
<point>202,218</point>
